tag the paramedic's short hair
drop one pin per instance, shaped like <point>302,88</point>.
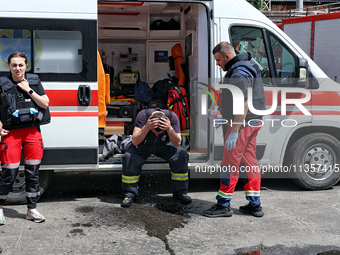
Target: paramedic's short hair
<point>224,48</point>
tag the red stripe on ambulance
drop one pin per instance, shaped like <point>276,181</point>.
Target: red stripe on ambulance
<point>68,98</point>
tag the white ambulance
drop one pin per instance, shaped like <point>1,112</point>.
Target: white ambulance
<point>62,39</point>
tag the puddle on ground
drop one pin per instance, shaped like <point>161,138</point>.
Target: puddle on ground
<point>334,252</point>
<point>77,231</point>
<point>84,209</point>
<point>255,253</point>
<point>158,219</point>
<point>283,250</point>
<point>84,225</point>
<point>162,216</point>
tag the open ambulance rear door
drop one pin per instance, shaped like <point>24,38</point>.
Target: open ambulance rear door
<point>124,25</point>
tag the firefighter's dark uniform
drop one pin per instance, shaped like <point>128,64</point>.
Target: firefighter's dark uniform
<point>160,145</point>
<point>21,116</point>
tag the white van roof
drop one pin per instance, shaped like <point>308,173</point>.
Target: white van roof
<point>238,9</point>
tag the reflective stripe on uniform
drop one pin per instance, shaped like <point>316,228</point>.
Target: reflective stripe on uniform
<point>252,193</point>
<point>3,197</point>
<point>130,179</point>
<point>11,165</point>
<point>32,162</point>
<point>32,194</point>
<point>224,195</point>
<point>179,177</point>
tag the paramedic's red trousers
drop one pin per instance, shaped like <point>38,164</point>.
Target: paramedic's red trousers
<point>242,159</point>
<point>10,148</point>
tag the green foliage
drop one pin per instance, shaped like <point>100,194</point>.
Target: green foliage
<point>257,4</point>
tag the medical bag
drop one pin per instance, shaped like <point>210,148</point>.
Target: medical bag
<point>178,103</point>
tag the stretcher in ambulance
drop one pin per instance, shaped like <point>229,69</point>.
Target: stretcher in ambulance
<point>85,55</point>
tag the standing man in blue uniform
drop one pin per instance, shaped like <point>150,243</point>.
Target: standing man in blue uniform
<point>156,132</point>
<point>240,136</point>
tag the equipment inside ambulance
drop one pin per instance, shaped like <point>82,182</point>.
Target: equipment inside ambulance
<point>116,104</point>
<point>169,93</point>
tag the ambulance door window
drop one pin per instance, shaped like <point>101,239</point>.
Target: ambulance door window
<point>243,39</point>
<point>284,62</point>
<point>57,51</point>
<point>12,40</point>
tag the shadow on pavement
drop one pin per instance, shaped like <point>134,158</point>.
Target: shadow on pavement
<point>69,186</point>
<point>11,213</point>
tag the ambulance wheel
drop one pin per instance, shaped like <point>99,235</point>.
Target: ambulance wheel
<point>18,193</point>
<point>314,161</point>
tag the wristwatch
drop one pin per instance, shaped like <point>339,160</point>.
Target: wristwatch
<point>30,92</point>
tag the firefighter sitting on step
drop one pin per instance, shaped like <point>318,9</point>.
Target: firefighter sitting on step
<point>156,132</point>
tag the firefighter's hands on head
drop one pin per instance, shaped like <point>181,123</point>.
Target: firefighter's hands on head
<point>165,124</point>
<point>157,125</point>
<point>24,85</point>
<point>231,141</point>
<point>152,123</point>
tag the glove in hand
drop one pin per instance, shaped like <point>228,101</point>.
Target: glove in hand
<point>231,141</point>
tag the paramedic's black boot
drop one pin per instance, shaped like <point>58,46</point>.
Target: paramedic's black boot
<point>218,211</point>
<point>127,202</point>
<point>182,198</point>
<point>255,211</point>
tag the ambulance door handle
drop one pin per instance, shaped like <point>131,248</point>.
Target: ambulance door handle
<point>84,95</point>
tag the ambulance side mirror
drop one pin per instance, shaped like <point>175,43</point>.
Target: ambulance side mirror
<point>303,73</point>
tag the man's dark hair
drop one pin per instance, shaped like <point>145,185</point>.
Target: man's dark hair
<point>159,115</point>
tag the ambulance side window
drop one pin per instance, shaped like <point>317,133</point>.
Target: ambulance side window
<point>14,40</point>
<point>57,51</point>
<point>275,60</point>
<point>284,62</point>
<point>243,39</point>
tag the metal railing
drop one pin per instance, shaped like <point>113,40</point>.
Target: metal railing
<point>314,10</point>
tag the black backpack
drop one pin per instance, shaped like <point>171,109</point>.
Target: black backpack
<point>160,89</point>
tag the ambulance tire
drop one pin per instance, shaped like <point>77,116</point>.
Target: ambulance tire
<point>18,194</point>
<point>320,149</point>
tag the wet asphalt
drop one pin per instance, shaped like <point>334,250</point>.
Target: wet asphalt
<point>83,216</point>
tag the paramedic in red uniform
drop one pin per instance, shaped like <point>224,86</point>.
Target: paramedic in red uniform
<point>24,106</point>
<point>239,153</point>
<point>156,132</point>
